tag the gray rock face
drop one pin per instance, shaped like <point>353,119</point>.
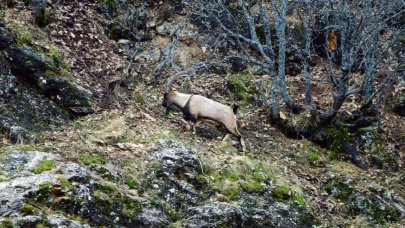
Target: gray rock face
<point>177,179</point>
<point>62,186</point>
<point>34,182</point>
<point>58,221</point>
<point>10,202</point>
<point>179,170</point>
<point>214,215</point>
<point>26,61</point>
<point>24,107</point>
<point>32,94</point>
<point>152,217</point>
<point>376,203</point>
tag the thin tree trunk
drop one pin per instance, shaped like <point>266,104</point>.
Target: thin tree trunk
<point>280,24</point>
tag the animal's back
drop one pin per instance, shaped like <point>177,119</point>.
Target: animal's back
<point>209,109</point>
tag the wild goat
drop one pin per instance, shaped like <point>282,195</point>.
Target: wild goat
<point>197,108</point>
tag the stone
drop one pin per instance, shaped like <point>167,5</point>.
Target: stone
<point>219,214</point>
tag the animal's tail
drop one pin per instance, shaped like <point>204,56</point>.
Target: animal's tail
<point>235,108</point>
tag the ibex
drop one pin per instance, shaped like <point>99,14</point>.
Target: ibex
<point>197,108</point>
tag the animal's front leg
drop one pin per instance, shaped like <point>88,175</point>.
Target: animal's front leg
<point>195,124</point>
<point>226,136</point>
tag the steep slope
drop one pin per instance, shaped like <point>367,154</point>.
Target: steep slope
<point>125,148</point>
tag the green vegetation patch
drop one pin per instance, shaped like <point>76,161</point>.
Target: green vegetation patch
<point>340,188</point>
<point>337,137</point>
<point>29,209</point>
<point>131,183</point>
<point>22,36</point>
<point>44,165</point>
<point>7,223</point>
<point>91,159</point>
<point>108,197</point>
<point>243,175</point>
<point>286,194</point>
<point>242,86</point>
<point>173,214</point>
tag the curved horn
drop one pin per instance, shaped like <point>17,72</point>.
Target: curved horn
<point>173,78</point>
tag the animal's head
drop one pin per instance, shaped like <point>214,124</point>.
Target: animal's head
<point>167,102</point>
<point>169,91</point>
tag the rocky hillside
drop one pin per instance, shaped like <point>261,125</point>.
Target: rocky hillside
<point>85,142</point>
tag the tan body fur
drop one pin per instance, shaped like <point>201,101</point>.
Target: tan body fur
<point>197,108</point>
<point>203,108</point>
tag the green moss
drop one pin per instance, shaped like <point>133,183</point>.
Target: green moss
<point>57,57</point>
<point>44,165</point>
<point>131,183</point>
<point>22,36</point>
<point>66,185</point>
<point>130,207</point>
<point>379,214</point>
<point>337,137</point>
<point>164,15</point>
<point>281,193</point>
<point>7,223</point>
<point>74,217</point>
<point>234,6</point>
<point>156,166</point>
<point>245,175</point>
<point>108,197</point>
<point>109,188</point>
<point>91,159</point>
<point>339,188</point>
<point>100,195</point>
<point>242,86</point>
<point>139,99</point>
<point>177,224</point>
<point>29,209</point>
<point>173,214</point>
<point>313,157</point>
<point>298,198</point>
<point>369,203</point>
<point>44,191</point>
<point>27,147</point>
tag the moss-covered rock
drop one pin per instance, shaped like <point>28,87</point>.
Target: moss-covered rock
<point>44,165</point>
<point>377,204</point>
<point>35,94</point>
<point>22,36</point>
